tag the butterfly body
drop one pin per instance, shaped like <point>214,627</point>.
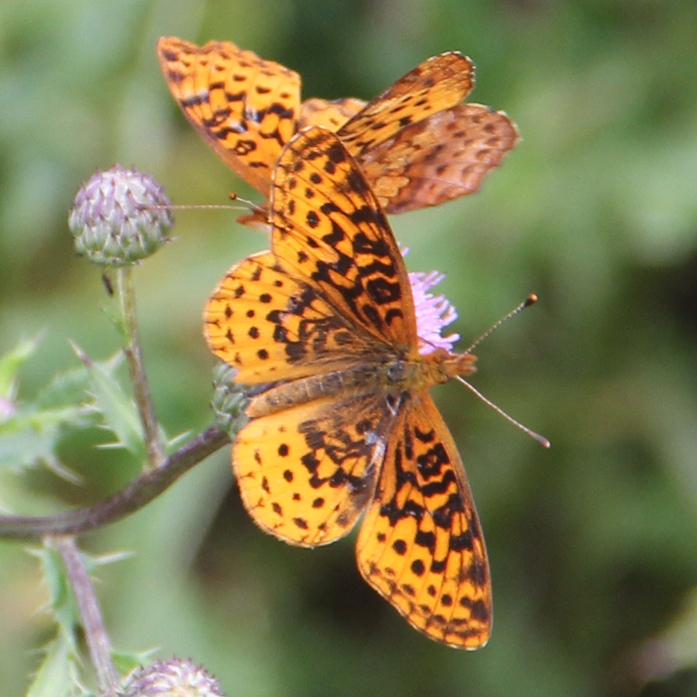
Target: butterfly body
<point>347,425</point>
<point>393,376</point>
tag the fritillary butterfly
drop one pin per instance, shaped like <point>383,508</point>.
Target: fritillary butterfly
<point>347,424</point>
<point>416,143</point>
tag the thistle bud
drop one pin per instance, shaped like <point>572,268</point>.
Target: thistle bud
<point>113,219</point>
<point>229,399</point>
<point>173,678</point>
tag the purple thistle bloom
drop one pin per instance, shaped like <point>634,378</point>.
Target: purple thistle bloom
<point>433,313</point>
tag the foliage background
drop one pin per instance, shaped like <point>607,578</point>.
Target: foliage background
<point>593,544</point>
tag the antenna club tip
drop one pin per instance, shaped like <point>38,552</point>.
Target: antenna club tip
<point>540,439</point>
<point>530,300</point>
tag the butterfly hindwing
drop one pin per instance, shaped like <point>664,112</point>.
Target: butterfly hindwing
<point>420,544</point>
<point>306,473</point>
<point>438,159</point>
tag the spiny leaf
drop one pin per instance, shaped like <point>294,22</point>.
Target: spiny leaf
<point>61,598</point>
<point>10,363</point>
<point>119,411</point>
<point>56,676</point>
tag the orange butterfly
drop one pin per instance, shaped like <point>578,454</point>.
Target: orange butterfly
<point>347,425</point>
<point>416,143</point>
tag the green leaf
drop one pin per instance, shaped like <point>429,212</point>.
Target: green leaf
<point>56,676</point>
<point>126,661</point>
<point>68,388</point>
<point>119,411</point>
<point>61,597</point>
<point>30,433</point>
<point>10,363</point>
<point>31,436</point>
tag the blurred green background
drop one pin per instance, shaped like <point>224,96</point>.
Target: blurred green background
<point>593,544</point>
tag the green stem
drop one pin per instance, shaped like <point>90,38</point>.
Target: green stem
<point>136,494</point>
<point>136,369</point>
<point>98,642</point>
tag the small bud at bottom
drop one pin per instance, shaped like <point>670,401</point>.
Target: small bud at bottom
<point>173,678</point>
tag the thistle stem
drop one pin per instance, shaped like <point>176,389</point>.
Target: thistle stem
<point>136,368</point>
<point>98,642</point>
<point>136,494</point>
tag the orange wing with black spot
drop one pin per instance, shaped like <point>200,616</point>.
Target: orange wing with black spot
<point>420,545</point>
<point>417,144</point>
<point>245,107</point>
<point>328,228</point>
<point>438,83</point>
<point>307,472</point>
<point>271,325</point>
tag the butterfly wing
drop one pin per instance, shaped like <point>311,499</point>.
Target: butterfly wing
<point>243,106</point>
<point>438,83</point>
<point>307,472</point>
<point>273,326</point>
<point>438,159</point>
<point>331,115</point>
<point>420,544</point>
<point>418,146</point>
<point>329,229</point>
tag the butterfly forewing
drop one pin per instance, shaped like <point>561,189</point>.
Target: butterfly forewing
<point>329,228</point>
<point>420,544</point>
<point>270,325</point>
<point>245,107</point>
<point>438,83</point>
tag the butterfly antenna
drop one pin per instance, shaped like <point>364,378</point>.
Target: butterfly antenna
<point>535,436</point>
<point>249,204</point>
<point>210,206</point>
<point>194,207</point>
<point>530,300</point>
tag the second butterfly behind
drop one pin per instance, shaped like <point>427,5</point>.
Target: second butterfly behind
<point>416,143</point>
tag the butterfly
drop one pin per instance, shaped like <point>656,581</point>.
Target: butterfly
<point>345,425</point>
<point>416,143</point>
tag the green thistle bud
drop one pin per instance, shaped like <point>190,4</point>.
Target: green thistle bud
<point>173,678</point>
<point>229,399</point>
<point>112,217</point>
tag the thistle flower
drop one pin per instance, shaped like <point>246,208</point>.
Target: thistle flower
<point>112,218</point>
<point>433,313</point>
<point>173,678</point>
